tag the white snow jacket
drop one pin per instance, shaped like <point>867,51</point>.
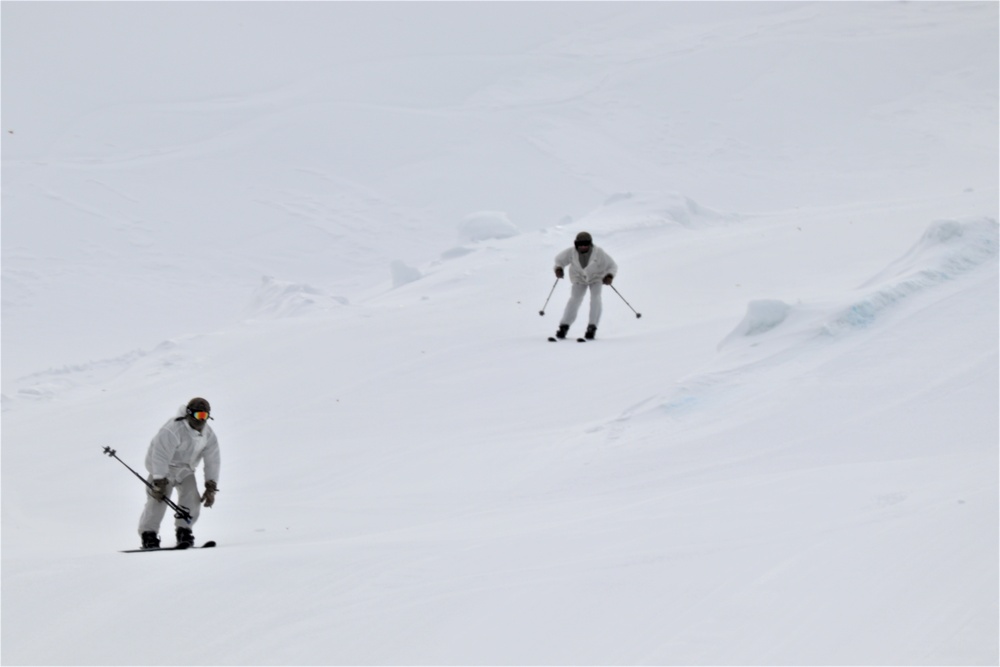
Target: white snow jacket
<point>177,449</point>
<point>600,265</point>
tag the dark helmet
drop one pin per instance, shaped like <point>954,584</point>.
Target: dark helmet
<point>196,405</point>
<point>583,239</point>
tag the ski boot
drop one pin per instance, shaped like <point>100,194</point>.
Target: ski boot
<point>150,540</point>
<point>185,538</point>
<point>562,331</point>
<point>591,332</point>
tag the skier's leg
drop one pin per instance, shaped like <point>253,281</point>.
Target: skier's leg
<point>188,496</point>
<point>152,513</point>
<point>595,304</point>
<point>573,305</point>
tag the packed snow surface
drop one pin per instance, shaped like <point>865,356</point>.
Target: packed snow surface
<point>337,222</point>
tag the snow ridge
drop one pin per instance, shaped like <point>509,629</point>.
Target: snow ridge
<point>948,250</point>
<point>47,385</point>
<point>649,210</point>
<point>276,299</point>
<point>783,340</point>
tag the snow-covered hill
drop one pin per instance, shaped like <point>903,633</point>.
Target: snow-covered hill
<point>790,458</point>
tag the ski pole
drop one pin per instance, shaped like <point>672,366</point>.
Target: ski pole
<point>542,311</point>
<point>179,512</point>
<point>638,315</point>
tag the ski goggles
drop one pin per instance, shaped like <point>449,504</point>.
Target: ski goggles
<point>584,244</point>
<point>200,415</point>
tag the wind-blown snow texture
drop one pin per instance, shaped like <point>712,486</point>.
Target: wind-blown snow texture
<point>336,221</point>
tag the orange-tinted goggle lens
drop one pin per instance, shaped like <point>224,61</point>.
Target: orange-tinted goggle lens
<point>201,415</point>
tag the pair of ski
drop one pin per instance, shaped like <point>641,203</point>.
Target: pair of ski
<point>553,339</point>
<point>206,545</point>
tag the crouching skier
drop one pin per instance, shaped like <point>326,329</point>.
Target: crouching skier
<point>590,268</point>
<point>174,454</point>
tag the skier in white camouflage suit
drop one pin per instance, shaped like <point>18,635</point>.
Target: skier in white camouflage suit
<point>174,454</point>
<point>590,268</point>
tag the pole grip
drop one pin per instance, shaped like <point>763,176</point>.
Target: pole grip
<point>179,512</point>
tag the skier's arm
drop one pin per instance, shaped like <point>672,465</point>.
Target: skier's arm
<point>565,258</point>
<point>213,460</point>
<point>161,452</point>
<point>610,268</point>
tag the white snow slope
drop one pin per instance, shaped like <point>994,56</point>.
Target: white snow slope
<point>336,221</point>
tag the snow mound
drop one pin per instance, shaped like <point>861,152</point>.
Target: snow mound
<point>275,299</point>
<point>762,316</point>
<point>403,274</point>
<point>486,225</point>
<point>455,253</point>
<point>629,211</point>
<point>478,227</point>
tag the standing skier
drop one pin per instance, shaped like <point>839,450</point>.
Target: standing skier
<point>589,268</point>
<point>174,454</point>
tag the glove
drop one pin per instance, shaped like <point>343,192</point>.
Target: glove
<point>208,499</point>
<point>559,272</point>
<point>159,490</point>
<point>608,278</point>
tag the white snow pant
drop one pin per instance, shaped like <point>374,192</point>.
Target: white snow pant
<point>576,298</point>
<point>187,496</point>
